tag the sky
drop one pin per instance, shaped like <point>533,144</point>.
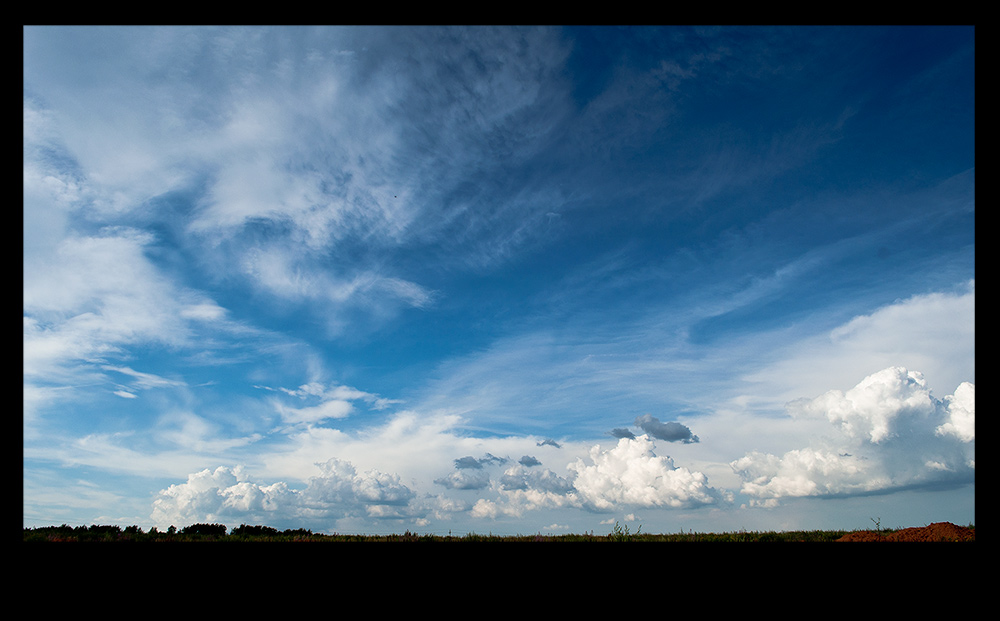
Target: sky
<point>508,280</point>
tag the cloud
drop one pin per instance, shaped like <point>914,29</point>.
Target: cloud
<point>632,474</point>
<point>92,286</point>
<point>145,380</point>
<point>340,487</point>
<point>522,488</point>
<point>230,496</point>
<point>465,479</point>
<point>472,462</point>
<point>886,433</point>
<point>92,299</point>
<point>961,414</point>
<point>222,495</point>
<point>333,402</point>
<point>307,174</point>
<point>470,473</point>
<point>468,462</point>
<point>324,155</point>
<point>804,472</point>
<point>334,408</point>
<point>203,312</point>
<point>671,432</point>
<point>933,332</point>
<point>291,274</point>
<point>95,294</point>
<point>873,410</point>
<point>523,477</point>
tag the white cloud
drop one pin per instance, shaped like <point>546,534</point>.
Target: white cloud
<point>225,494</point>
<point>206,311</point>
<point>632,474</point>
<point>418,447</point>
<point>333,402</point>
<point>242,138</point>
<point>521,489</point>
<point>88,290</point>
<point>961,414</point>
<point>520,477</point>
<point>465,479</point>
<point>94,298</point>
<point>872,409</point>
<point>290,273</point>
<point>805,472</point>
<point>334,408</point>
<point>414,488</point>
<point>230,496</point>
<point>887,432</point>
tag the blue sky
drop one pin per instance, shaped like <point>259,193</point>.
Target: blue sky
<point>507,280</point>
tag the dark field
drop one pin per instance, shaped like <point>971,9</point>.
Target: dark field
<point>940,531</point>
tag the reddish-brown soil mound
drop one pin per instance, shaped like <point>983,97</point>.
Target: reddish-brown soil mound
<point>939,531</point>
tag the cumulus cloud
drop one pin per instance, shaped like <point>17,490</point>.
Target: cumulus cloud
<point>887,432</point>
<point>872,409</point>
<point>806,472</point>
<point>524,477</point>
<point>221,495</point>
<point>524,488</point>
<point>961,421</point>
<point>230,496</point>
<point>632,474</point>
<point>465,479</point>
<point>341,487</point>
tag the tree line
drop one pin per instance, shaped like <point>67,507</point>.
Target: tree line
<point>246,532</point>
<point>112,532</point>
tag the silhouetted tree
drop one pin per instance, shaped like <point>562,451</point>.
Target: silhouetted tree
<point>217,530</point>
<point>297,532</point>
<point>244,530</point>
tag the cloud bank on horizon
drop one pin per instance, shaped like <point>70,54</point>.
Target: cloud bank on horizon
<point>364,278</point>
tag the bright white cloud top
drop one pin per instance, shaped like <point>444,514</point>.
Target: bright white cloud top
<point>512,280</point>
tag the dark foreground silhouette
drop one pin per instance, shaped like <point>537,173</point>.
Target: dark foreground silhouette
<point>939,532</point>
